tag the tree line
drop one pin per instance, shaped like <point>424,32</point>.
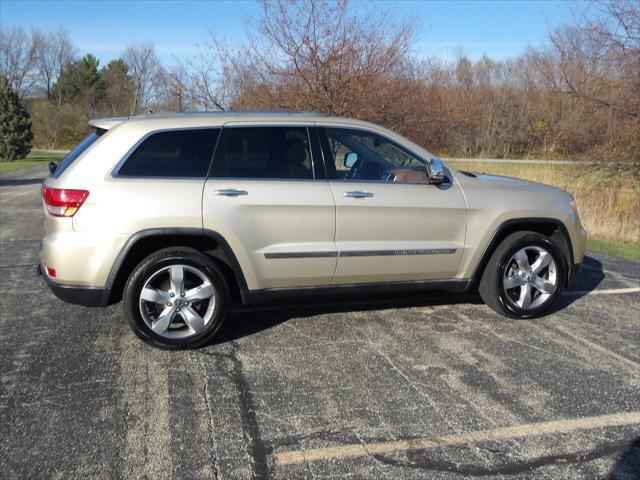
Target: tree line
<point>576,97</point>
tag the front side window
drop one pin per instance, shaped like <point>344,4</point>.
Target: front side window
<point>268,152</point>
<point>358,155</point>
<point>174,153</point>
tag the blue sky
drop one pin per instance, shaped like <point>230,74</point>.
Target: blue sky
<point>498,28</point>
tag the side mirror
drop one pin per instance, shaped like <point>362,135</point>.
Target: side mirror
<point>436,171</point>
<point>350,159</point>
<point>52,167</point>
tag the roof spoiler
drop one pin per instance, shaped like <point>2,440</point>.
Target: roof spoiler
<point>106,123</point>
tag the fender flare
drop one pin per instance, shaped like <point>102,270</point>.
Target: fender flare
<point>135,238</point>
<point>507,225</point>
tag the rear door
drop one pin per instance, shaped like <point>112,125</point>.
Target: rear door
<point>268,196</point>
<point>391,224</point>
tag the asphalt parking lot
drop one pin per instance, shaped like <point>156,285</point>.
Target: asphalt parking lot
<point>398,388</point>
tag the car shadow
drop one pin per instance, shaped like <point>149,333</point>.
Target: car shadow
<point>628,465</point>
<point>590,276</point>
<point>244,322</point>
<point>14,182</point>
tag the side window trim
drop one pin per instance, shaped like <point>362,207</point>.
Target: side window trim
<point>115,172</point>
<point>329,161</point>
<point>220,169</point>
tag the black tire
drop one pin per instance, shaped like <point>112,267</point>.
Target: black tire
<point>145,270</point>
<point>491,283</point>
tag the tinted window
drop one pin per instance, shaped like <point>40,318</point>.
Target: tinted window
<point>76,152</point>
<point>177,153</point>
<point>269,152</point>
<point>362,155</point>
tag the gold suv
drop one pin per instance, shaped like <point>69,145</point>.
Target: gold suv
<point>183,215</point>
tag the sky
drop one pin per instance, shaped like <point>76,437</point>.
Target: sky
<point>499,29</point>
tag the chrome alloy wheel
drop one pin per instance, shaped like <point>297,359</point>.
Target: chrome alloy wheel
<point>530,278</point>
<point>177,301</point>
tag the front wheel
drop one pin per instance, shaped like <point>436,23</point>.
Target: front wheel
<point>524,277</point>
<point>176,298</point>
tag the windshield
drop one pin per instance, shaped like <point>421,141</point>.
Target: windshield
<point>76,152</point>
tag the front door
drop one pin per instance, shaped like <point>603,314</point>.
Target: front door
<point>391,224</point>
<point>269,198</point>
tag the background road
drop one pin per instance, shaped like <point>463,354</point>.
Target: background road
<point>398,388</point>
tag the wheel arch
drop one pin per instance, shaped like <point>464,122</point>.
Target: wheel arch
<point>551,227</point>
<point>143,243</point>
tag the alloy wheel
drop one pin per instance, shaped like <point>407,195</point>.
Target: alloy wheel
<point>530,278</point>
<point>177,301</point>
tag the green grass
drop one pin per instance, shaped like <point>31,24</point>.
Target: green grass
<point>32,160</point>
<point>628,250</point>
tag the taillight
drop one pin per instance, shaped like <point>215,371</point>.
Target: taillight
<point>63,202</point>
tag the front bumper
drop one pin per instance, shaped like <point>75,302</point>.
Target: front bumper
<point>86,296</point>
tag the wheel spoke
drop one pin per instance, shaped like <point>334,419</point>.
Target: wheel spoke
<point>522,260</point>
<point>542,261</point>
<point>201,292</point>
<point>177,278</point>
<point>525,296</point>
<point>193,319</point>
<point>164,320</point>
<point>154,295</point>
<point>543,285</point>
<point>512,282</point>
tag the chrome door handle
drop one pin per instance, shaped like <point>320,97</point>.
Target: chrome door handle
<point>358,194</point>
<point>230,192</point>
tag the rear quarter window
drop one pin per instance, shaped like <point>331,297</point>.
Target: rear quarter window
<point>76,152</point>
<point>175,153</point>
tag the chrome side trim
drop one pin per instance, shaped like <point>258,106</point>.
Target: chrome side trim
<point>301,255</point>
<point>364,253</point>
<point>400,252</point>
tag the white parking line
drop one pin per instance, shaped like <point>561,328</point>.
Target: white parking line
<point>611,291</point>
<point>506,433</point>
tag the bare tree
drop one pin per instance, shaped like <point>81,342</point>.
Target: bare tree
<point>17,60</point>
<point>52,52</point>
<point>323,55</point>
<point>598,59</point>
<point>208,79</point>
<point>143,65</point>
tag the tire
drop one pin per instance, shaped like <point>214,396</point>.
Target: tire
<point>185,299</point>
<point>506,278</point>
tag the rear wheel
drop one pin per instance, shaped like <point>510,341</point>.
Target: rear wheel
<point>176,298</point>
<point>524,276</point>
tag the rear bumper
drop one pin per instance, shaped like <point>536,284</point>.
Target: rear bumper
<point>86,296</point>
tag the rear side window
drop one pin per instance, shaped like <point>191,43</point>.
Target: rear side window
<point>76,152</point>
<point>175,153</point>
<point>269,152</point>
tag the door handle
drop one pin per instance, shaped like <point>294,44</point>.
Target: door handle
<point>230,192</point>
<point>358,194</point>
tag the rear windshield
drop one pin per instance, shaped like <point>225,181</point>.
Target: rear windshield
<point>76,152</point>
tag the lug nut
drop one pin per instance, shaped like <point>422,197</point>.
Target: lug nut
<point>172,295</point>
<point>168,304</point>
<point>182,294</point>
<point>186,304</point>
<point>178,309</point>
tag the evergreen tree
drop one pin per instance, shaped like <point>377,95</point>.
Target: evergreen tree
<point>15,125</point>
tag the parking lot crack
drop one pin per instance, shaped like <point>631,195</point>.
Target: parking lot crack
<point>207,399</point>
